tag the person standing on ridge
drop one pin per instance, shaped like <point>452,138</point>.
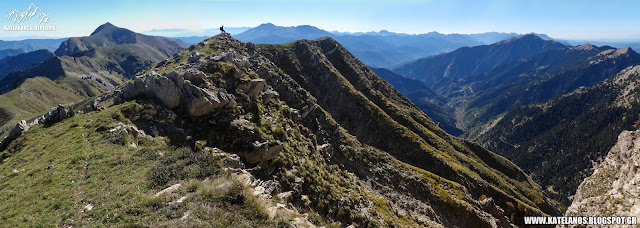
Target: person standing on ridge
<point>222,29</point>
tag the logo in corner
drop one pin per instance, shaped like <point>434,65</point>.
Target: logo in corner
<point>22,21</point>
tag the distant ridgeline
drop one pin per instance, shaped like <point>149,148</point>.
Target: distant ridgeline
<point>544,105</point>
<point>81,67</point>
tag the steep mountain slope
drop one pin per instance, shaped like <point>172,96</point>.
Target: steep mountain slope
<point>468,61</point>
<point>320,132</point>
<point>110,35</point>
<point>4,53</point>
<point>23,61</point>
<point>424,98</point>
<point>568,133</point>
<point>420,142</point>
<point>612,188</point>
<point>540,78</point>
<point>480,83</point>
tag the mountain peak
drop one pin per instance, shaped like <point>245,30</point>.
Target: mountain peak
<point>266,25</point>
<point>525,37</point>
<point>105,27</point>
<point>110,35</point>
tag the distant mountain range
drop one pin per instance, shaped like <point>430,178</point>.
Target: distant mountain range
<point>23,61</point>
<point>81,67</point>
<point>516,97</point>
<point>378,49</point>
<point>12,48</point>
<point>191,33</point>
<point>465,62</point>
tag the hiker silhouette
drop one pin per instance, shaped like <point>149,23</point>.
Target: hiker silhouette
<point>222,29</point>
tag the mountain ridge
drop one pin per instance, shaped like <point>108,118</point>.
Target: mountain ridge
<point>291,114</point>
<point>109,35</point>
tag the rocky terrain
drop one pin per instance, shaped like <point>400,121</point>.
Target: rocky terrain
<point>304,129</point>
<point>612,189</point>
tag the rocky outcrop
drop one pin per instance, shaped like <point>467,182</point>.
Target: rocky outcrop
<point>262,152</point>
<point>56,115</point>
<point>130,131</point>
<point>200,101</point>
<point>252,87</point>
<point>177,89</point>
<point>134,89</point>
<point>17,130</point>
<point>614,186</point>
<point>163,89</point>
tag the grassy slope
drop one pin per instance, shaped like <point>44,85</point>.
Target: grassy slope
<point>63,168</point>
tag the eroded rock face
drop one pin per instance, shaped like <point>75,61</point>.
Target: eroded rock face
<point>177,89</point>
<point>17,130</point>
<point>135,88</point>
<point>199,101</point>
<point>164,89</point>
<point>614,186</point>
<point>252,87</point>
<point>262,152</point>
<point>58,114</point>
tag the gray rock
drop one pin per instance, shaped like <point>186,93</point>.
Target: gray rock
<point>91,106</point>
<point>614,186</point>
<point>217,58</point>
<point>133,89</point>
<point>242,125</point>
<point>243,63</point>
<point>285,196</point>
<point>16,132</point>
<point>164,89</point>
<point>131,131</point>
<point>58,114</point>
<point>193,57</point>
<point>252,87</point>
<point>262,152</point>
<point>268,95</point>
<point>118,97</point>
<point>200,101</point>
<point>229,56</point>
<point>194,75</point>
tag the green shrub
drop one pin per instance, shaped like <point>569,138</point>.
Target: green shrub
<point>192,186</point>
<point>184,163</point>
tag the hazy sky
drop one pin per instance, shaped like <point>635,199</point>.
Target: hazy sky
<point>580,19</point>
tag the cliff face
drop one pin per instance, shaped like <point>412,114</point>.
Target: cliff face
<point>613,188</point>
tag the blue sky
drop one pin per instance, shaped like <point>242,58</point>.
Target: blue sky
<point>586,19</point>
